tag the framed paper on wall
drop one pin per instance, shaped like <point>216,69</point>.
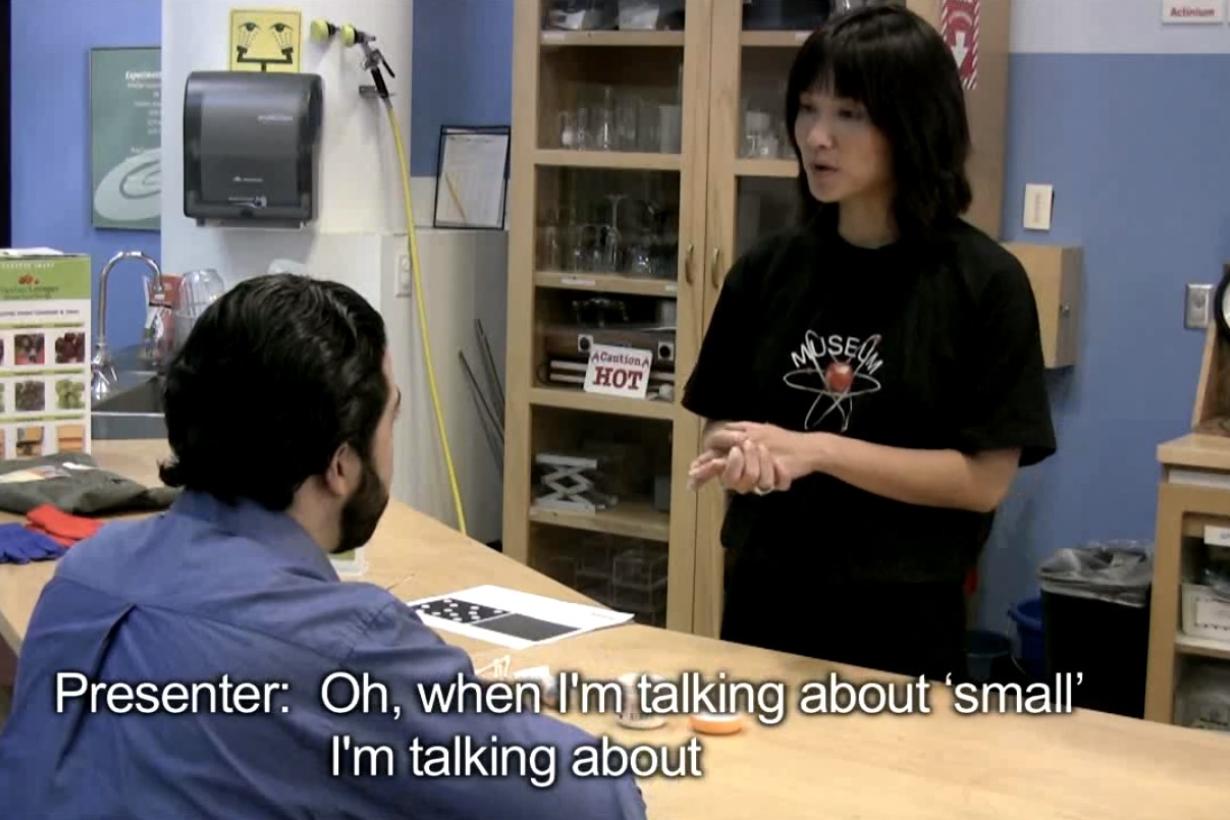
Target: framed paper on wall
<point>472,177</point>
<point>126,137</point>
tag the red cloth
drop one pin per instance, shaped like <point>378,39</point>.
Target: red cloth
<point>62,541</point>
<point>64,528</point>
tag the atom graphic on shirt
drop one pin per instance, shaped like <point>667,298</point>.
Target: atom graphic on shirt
<point>835,384</point>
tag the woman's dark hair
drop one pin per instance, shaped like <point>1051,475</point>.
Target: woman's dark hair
<point>275,376</point>
<point>895,64</point>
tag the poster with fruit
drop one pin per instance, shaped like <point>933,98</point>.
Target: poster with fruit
<point>44,353</point>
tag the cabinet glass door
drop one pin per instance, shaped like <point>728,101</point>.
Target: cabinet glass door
<point>606,96</point>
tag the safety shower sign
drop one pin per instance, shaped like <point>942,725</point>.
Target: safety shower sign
<point>126,137</point>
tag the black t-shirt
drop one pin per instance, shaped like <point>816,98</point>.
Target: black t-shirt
<point>922,346</point>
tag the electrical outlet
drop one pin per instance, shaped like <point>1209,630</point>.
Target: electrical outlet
<point>405,283</point>
<point>1199,307</point>
<point>1038,202</point>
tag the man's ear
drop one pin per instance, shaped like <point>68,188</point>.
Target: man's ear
<point>341,477</point>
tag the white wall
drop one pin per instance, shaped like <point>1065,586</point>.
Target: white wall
<point>359,184</point>
<point>359,239</point>
<point>1108,27</point>
<point>464,278</point>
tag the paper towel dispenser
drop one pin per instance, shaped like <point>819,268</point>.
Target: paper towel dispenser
<point>251,141</point>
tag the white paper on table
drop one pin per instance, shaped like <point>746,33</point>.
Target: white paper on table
<point>573,619</point>
<point>471,184</point>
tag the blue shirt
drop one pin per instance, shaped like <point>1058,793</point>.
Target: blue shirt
<point>208,590</point>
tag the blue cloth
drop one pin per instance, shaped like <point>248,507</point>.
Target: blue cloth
<point>19,545</point>
<point>207,590</point>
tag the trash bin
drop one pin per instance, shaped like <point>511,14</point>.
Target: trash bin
<point>1095,608</point>
<point>1027,615</point>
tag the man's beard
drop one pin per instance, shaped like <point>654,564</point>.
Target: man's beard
<point>362,511</point>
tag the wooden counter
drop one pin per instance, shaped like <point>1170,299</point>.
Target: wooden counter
<point>942,765</point>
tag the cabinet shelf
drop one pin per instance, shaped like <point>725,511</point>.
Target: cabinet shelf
<point>1203,647</point>
<point>1193,525</point>
<point>633,518</point>
<point>773,39</point>
<point>639,39</point>
<point>607,283</point>
<point>594,403</point>
<point>778,168</point>
<point>617,160</point>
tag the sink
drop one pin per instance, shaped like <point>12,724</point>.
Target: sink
<point>133,409</point>
<point>142,395</point>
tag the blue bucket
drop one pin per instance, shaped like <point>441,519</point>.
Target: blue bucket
<point>983,650</point>
<point>1027,615</point>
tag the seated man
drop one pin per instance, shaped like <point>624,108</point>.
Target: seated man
<point>279,411</point>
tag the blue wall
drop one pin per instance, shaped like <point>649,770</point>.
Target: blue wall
<point>1135,146</point>
<point>462,71</point>
<point>51,42</point>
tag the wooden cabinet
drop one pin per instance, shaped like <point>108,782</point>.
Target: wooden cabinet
<point>1193,511</point>
<point>705,167</point>
<point>1193,499</point>
<point>1055,272</point>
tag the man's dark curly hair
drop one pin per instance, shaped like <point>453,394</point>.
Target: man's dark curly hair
<point>275,376</point>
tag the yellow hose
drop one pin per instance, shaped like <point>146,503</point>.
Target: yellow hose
<point>418,295</point>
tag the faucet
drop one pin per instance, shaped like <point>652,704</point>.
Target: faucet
<point>102,369</point>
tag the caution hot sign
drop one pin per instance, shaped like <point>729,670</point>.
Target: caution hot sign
<point>618,371</point>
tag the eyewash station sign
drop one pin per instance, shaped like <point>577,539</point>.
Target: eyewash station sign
<point>265,40</point>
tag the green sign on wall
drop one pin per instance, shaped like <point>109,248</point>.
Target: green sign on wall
<point>125,137</point>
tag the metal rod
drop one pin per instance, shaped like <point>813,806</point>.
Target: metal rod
<point>488,413</point>
<point>495,439</point>
<point>493,373</point>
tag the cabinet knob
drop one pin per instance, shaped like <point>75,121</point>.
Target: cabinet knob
<point>687,264</point>
<point>713,267</point>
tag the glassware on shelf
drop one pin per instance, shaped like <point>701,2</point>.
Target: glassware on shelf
<point>581,15</point>
<point>585,246</point>
<point>651,15</point>
<point>568,130</point>
<point>585,129</point>
<point>603,114</point>
<point>670,127</point>
<point>784,149</point>
<point>550,248</point>
<point>647,127</point>
<point>760,136</point>
<point>612,238</point>
<point>639,254</point>
<point>626,115</point>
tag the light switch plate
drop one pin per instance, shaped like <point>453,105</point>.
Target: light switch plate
<point>1198,308</point>
<point>1038,201</point>
<point>404,282</point>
